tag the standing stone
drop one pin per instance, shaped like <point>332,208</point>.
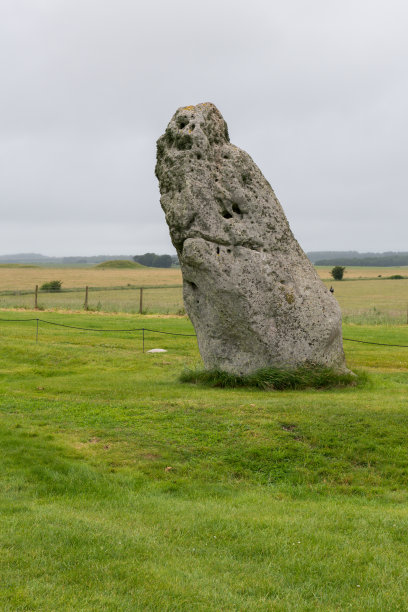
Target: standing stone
<point>251,293</point>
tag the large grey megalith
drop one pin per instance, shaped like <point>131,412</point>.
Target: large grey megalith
<point>251,293</point>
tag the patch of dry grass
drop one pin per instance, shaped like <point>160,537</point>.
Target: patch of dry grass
<point>354,272</point>
<point>27,278</point>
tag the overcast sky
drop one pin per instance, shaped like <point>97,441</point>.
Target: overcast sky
<point>315,91</point>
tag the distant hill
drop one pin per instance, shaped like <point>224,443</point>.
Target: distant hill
<point>118,264</point>
<point>26,258</point>
<point>37,258</point>
<point>354,258</point>
<point>18,265</point>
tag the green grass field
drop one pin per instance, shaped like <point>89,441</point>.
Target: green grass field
<point>123,489</point>
<point>372,301</point>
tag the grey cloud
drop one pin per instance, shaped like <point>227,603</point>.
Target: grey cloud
<point>316,92</point>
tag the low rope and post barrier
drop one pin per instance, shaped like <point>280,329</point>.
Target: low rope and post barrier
<point>154,331</point>
<point>96,329</point>
<point>376,343</point>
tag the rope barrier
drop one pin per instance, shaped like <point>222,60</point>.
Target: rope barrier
<point>156,331</point>
<point>18,320</point>
<point>376,343</point>
<point>98,329</point>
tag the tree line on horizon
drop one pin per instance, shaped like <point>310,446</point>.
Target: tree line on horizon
<point>317,256</point>
<point>152,260</point>
<point>378,260</point>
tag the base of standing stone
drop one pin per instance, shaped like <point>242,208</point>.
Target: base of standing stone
<point>274,379</point>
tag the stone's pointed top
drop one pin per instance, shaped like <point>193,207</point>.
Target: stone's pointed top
<point>195,127</point>
<point>206,112</point>
<point>197,107</point>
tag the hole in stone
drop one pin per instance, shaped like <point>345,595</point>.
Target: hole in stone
<point>192,285</point>
<point>193,126</point>
<point>182,122</point>
<point>227,215</point>
<point>226,156</point>
<point>228,250</point>
<point>218,250</point>
<point>199,156</point>
<point>236,209</point>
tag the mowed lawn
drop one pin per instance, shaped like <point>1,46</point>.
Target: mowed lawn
<point>123,489</point>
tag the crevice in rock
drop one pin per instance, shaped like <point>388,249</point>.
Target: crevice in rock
<point>246,244</point>
<point>236,209</point>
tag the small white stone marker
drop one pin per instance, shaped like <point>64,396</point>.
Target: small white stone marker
<point>157,351</point>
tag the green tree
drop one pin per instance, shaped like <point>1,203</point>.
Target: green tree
<point>54,285</point>
<point>338,272</point>
<point>154,261</point>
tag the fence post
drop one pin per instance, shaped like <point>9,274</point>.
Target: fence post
<point>141,301</point>
<point>36,298</point>
<point>86,298</point>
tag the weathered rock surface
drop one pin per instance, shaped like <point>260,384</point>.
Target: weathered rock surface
<point>252,295</point>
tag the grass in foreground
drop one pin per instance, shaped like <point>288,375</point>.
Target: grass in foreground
<point>123,489</point>
<point>273,378</point>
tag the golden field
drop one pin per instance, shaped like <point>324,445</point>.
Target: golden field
<point>361,272</point>
<point>16,278</point>
<point>19,278</point>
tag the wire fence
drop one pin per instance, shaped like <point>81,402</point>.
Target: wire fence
<point>154,331</point>
<point>129,298</point>
<point>168,299</point>
<point>143,330</point>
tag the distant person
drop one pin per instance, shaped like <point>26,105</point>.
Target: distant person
<point>331,289</point>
